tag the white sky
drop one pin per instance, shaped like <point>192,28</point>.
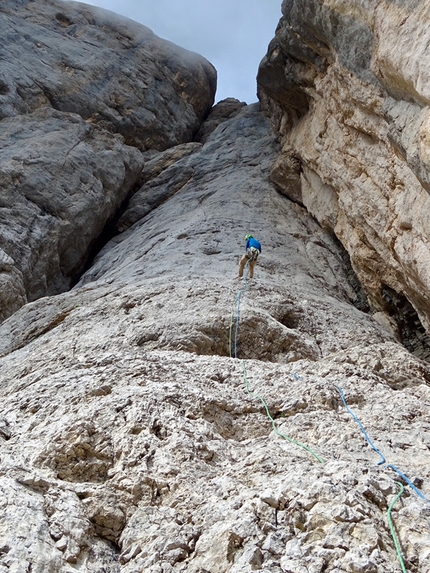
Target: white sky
<point>232,34</point>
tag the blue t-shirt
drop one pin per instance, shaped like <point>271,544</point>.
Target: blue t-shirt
<point>252,243</point>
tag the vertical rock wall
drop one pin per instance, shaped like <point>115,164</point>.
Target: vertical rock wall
<point>347,86</point>
<point>132,440</point>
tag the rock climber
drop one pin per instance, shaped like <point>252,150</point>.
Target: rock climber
<point>252,250</point>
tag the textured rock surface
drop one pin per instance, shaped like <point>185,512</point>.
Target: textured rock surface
<point>347,85</point>
<point>131,438</point>
<point>61,181</point>
<point>222,111</point>
<point>77,85</point>
<point>108,69</point>
<point>128,440</point>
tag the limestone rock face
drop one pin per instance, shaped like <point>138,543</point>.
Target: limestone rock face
<point>163,416</point>
<point>132,439</point>
<point>78,85</point>
<point>61,181</point>
<point>222,111</point>
<point>347,86</point>
<point>108,69</point>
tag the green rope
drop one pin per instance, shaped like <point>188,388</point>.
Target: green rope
<point>236,303</point>
<point>231,328</point>
<point>254,395</point>
<point>393,533</point>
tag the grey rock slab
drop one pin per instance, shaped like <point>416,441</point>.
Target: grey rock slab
<point>222,111</point>
<point>193,230</point>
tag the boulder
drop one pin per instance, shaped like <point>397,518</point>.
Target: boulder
<point>222,111</point>
<point>62,180</point>
<point>108,69</point>
<point>82,92</point>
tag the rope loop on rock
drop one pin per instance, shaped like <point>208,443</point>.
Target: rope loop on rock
<point>393,532</point>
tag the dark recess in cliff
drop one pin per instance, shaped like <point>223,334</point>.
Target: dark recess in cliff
<point>411,332</point>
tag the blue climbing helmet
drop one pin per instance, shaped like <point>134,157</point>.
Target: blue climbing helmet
<point>248,237</point>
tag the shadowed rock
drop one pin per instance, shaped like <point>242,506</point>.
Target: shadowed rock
<point>61,181</point>
<point>78,85</point>
<point>348,89</point>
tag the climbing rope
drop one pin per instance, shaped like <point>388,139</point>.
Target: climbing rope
<point>231,329</point>
<point>402,475</point>
<point>254,395</point>
<point>306,448</point>
<point>393,532</point>
<point>361,427</point>
<point>237,303</point>
<point>262,400</point>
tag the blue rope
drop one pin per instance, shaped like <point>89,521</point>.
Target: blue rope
<point>408,481</point>
<point>361,427</point>
<point>342,395</point>
<point>402,475</point>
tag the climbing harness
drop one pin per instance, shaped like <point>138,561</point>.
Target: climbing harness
<point>393,532</point>
<point>252,253</point>
<point>253,394</point>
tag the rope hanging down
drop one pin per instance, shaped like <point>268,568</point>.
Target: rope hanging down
<point>252,394</point>
<point>261,399</point>
<point>408,481</point>
<point>237,302</point>
<point>393,532</point>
